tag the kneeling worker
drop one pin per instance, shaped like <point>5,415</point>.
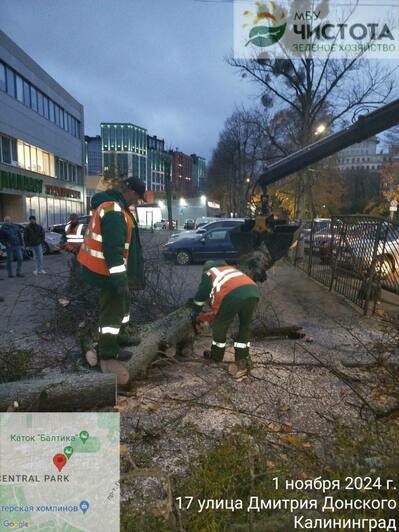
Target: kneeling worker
<point>229,293</point>
<point>111,260</point>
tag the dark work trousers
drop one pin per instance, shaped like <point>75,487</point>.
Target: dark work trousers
<point>228,311</point>
<point>114,316</point>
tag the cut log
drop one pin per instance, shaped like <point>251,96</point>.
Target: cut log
<point>174,329</point>
<point>59,393</point>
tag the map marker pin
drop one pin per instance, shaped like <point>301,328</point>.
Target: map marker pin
<point>84,436</point>
<point>68,451</point>
<point>84,506</point>
<point>59,460</point>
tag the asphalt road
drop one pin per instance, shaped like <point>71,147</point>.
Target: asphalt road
<point>27,306</point>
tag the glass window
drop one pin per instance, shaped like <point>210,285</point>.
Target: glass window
<point>2,77</point>
<point>46,163</point>
<point>62,118</point>
<point>33,158</point>
<point>33,98</point>
<point>21,158</point>
<point>67,121</point>
<point>14,156</point>
<point>57,114</point>
<point>51,110</point>
<point>60,166</point>
<point>40,103</point>
<point>39,160</point>
<point>119,137</point>
<point>112,138</point>
<point>6,149</point>
<point>43,220</point>
<point>217,235</point>
<point>27,156</point>
<point>20,88</point>
<point>10,82</point>
<point>26,94</point>
<point>57,211</point>
<point>51,165</point>
<point>45,107</point>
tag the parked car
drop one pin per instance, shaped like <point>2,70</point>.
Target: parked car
<point>164,224</point>
<point>60,228</point>
<point>213,244</point>
<point>358,253</point>
<point>189,224</point>
<point>221,222</point>
<point>321,232</point>
<point>3,252</point>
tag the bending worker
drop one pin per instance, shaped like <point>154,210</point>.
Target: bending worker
<point>112,260</point>
<point>229,293</point>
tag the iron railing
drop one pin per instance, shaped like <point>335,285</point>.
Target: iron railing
<point>356,256</point>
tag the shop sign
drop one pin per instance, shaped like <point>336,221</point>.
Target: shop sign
<point>20,182</point>
<point>53,190</point>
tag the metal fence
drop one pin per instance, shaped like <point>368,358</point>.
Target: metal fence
<point>356,256</point>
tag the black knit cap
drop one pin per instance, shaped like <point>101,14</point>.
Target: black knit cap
<point>135,184</point>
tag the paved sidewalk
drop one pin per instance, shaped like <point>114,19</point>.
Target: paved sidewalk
<point>26,308</point>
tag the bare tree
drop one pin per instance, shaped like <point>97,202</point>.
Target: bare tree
<point>235,161</point>
<point>311,91</point>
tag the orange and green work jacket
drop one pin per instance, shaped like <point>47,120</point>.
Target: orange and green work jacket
<point>111,253</point>
<point>221,282</point>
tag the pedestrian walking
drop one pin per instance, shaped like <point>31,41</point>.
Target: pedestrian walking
<point>11,236</point>
<point>34,236</point>
<point>112,260</point>
<point>229,293</point>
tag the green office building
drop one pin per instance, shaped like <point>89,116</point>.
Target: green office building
<point>124,149</point>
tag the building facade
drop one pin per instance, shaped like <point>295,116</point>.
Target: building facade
<point>182,177</point>
<point>198,172</point>
<point>94,162</point>
<point>124,149</point>
<point>155,164</point>
<point>41,142</point>
<point>363,156</point>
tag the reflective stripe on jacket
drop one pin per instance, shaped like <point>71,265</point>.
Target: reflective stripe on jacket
<point>91,252</point>
<point>225,279</point>
<point>74,236</point>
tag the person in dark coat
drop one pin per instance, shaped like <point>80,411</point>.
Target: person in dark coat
<point>34,237</point>
<point>10,235</point>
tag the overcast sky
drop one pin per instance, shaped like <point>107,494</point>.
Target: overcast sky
<point>156,63</point>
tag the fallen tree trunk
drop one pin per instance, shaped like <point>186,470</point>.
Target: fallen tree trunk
<point>173,330</point>
<point>59,393</point>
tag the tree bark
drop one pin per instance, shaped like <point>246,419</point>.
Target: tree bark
<point>174,329</point>
<point>59,393</point>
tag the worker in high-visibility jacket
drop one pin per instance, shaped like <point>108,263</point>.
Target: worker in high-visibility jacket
<point>73,235</point>
<point>229,293</point>
<point>111,259</point>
